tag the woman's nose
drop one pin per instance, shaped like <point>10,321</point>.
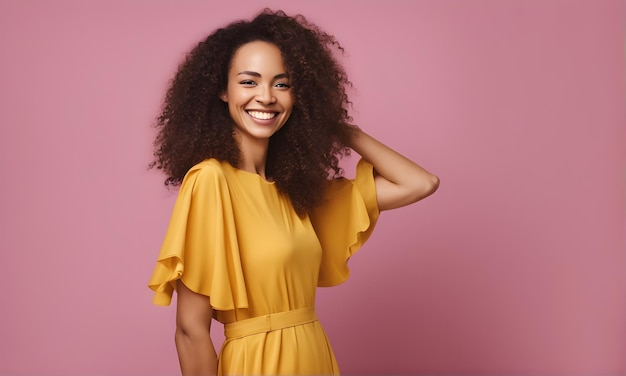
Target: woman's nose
<point>265,95</point>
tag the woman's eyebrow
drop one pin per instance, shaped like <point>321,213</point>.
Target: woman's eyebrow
<point>249,73</point>
<point>257,74</point>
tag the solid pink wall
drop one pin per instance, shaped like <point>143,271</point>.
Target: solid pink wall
<point>516,265</point>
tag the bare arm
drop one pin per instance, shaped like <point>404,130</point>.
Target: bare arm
<point>399,181</point>
<point>196,352</point>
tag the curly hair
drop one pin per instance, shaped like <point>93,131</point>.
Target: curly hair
<point>194,123</point>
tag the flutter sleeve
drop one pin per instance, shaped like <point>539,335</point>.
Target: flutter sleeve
<point>344,222</point>
<point>200,245</point>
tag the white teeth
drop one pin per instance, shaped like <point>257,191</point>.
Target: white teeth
<point>262,115</point>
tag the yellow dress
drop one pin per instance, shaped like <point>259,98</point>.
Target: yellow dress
<point>232,236</point>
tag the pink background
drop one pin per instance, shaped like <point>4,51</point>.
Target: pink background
<point>516,265</point>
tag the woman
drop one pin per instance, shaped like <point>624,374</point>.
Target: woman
<point>252,128</point>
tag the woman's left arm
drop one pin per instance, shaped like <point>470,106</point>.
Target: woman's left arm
<point>399,181</point>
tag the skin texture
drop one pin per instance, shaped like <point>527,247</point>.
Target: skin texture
<point>260,83</point>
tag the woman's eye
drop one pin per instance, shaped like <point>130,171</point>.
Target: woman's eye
<point>247,83</point>
<point>283,85</point>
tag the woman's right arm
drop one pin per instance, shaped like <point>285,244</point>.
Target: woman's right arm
<point>196,352</point>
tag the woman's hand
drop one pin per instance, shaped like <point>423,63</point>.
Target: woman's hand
<point>399,181</point>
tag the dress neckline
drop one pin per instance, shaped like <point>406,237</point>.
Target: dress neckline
<point>250,174</point>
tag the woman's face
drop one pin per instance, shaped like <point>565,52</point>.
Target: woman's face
<point>258,92</point>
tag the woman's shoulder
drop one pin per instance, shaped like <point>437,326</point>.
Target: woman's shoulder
<point>209,170</point>
<point>211,166</point>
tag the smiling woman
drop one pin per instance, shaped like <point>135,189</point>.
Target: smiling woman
<point>259,100</point>
<point>253,128</point>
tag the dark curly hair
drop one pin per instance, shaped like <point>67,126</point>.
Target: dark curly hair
<point>195,124</point>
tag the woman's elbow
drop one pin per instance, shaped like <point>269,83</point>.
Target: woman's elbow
<point>392,196</point>
<point>434,184</point>
<point>181,335</point>
<point>425,187</point>
<point>187,338</point>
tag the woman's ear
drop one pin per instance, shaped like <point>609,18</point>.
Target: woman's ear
<point>224,97</point>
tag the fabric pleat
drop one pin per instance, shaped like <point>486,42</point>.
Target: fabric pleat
<point>202,249</point>
<point>344,222</point>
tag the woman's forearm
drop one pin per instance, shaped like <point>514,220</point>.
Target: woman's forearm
<point>400,181</point>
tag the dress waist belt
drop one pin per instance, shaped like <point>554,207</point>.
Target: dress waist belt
<point>268,323</point>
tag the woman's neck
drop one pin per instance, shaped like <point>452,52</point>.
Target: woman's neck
<point>253,155</point>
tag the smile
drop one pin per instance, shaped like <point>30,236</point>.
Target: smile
<point>262,115</point>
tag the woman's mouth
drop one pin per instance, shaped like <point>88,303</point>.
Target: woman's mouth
<point>261,115</point>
